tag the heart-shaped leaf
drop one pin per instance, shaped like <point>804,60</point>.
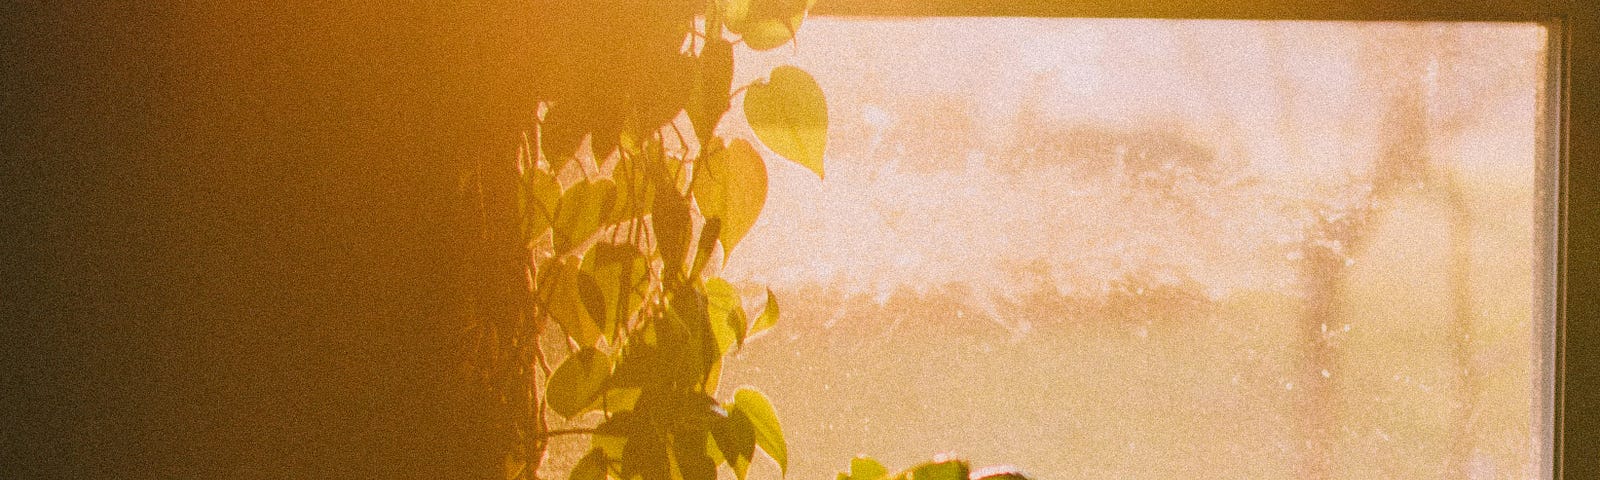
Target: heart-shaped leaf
<point>730,184</point>
<point>789,114</point>
<point>578,382</point>
<point>764,423</point>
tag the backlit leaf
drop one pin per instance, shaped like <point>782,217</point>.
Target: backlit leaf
<point>620,276</point>
<point>559,290</point>
<point>789,114</point>
<point>946,470</point>
<point>866,468</point>
<point>764,422</point>
<point>731,185</point>
<point>726,314</point>
<point>713,79</point>
<point>584,208</point>
<point>769,315</point>
<point>591,467</point>
<point>736,439</point>
<point>766,24</point>
<point>578,382</point>
<point>671,223</point>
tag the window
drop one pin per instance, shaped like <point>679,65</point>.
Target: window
<point>1143,248</point>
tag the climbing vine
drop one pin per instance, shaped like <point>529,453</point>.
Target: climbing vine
<point>622,239</point>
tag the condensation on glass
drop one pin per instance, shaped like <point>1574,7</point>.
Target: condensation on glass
<point>1163,248</point>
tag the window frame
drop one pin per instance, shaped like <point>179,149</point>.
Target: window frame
<point>1572,344</point>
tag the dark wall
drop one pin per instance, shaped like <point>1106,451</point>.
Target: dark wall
<point>234,236</point>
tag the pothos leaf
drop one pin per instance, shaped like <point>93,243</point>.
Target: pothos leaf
<point>713,79</point>
<point>563,300</point>
<point>866,468</point>
<point>789,114</point>
<point>753,405</point>
<point>591,467</point>
<point>736,439</point>
<point>731,185</point>
<point>584,208</point>
<point>726,314</point>
<point>671,223</point>
<point>619,276</point>
<point>769,315</point>
<point>578,382</point>
<point>766,24</point>
<point>946,470</point>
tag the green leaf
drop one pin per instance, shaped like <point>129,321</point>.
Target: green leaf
<point>619,277</point>
<point>578,382</point>
<point>790,115</point>
<point>726,314</point>
<point>713,79</point>
<point>736,439</point>
<point>769,315</point>
<point>559,287</point>
<point>591,467</point>
<point>866,468</point>
<point>689,456</point>
<point>731,185</point>
<point>766,24</point>
<point>583,209</point>
<point>539,193</point>
<point>946,470</point>
<point>670,221</point>
<point>764,422</point>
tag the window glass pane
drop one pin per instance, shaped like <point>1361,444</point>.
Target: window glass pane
<point>1159,249</point>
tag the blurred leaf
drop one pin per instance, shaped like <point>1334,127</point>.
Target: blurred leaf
<point>620,276</point>
<point>764,422</point>
<point>866,468</point>
<point>766,24</point>
<point>712,82</point>
<point>558,285</point>
<point>671,223</point>
<point>726,314</point>
<point>946,470</point>
<point>689,456</point>
<point>736,439</point>
<point>645,454</point>
<point>591,467</point>
<point>583,209</point>
<point>620,399</point>
<point>790,115</point>
<point>705,245</point>
<point>731,185</point>
<point>769,315</point>
<point>539,193</point>
<point>713,377</point>
<point>578,382</point>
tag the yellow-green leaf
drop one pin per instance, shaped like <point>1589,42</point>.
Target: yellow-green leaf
<point>578,382</point>
<point>669,219</point>
<point>731,185</point>
<point>736,439</point>
<point>584,208</point>
<point>558,287</point>
<point>713,79</point>
<point>866,468</point>
<point>726,313</point>
<point>789,114</point>
<point>766,24</point>
<point>769,315</point>
<point>753,405</point>
<point>591,467</point>
<point>620,275</point>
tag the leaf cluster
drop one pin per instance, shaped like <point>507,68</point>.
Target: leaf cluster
<point>622,240</point>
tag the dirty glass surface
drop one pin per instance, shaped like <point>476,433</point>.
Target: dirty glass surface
<point>1160,248</point>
